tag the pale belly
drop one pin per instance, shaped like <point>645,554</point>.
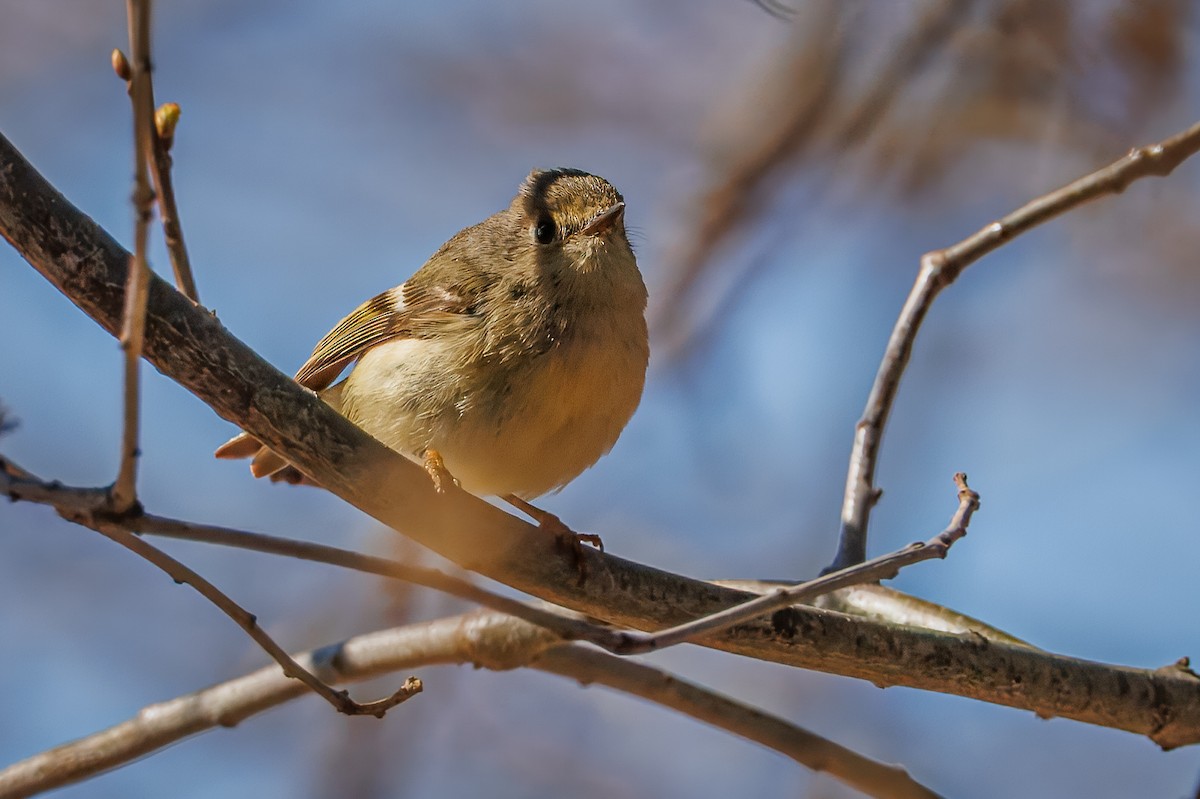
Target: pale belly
<point>523,431</point>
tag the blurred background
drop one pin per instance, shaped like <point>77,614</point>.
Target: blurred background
<point>784,170</point>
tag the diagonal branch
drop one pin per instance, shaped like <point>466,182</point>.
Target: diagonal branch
<point>92,508</point>
<point>340,700</point>
<point>165,119</point>
<point>939,269</point>
<point>881,568</point>
<point>806,748</point>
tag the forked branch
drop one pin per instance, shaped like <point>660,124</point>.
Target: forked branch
<point>939,269</point>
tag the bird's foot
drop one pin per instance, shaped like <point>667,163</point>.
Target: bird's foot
<point>435,467</point>
<point>565,538</point>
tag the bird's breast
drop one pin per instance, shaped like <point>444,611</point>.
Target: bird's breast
<point>525,425</point>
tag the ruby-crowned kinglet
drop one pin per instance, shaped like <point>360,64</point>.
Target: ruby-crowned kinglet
<point>517,352</point>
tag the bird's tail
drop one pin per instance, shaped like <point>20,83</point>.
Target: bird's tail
<point>266,463</point>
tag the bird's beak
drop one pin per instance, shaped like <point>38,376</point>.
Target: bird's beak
<point>604,220</point>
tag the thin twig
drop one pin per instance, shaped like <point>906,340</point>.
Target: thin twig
<point>881,568</point>
<point>137,285</point>
<point>92,508</point>
<point>248,621</point>
<point>165,119</point>
<point>939,269</point>
<point>158,158</point>
<point>491,640</point>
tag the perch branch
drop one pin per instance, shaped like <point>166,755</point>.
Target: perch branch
<point>75,504</point>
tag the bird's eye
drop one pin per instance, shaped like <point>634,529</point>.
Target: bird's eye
<point>545,231</point>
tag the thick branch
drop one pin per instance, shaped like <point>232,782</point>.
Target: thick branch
<point>190,346</point>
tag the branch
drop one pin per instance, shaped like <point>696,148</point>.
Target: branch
<point>76,504</point>
<point>165,120</point>
<point>190,346</point>
<point>123,495</point>
<point>881,568</point>
<point>491,640</point>
<point>939,269</point>
<point>79,505</point>
<point>158,156</point>
<point>92,509</point>
<point>806,748</point>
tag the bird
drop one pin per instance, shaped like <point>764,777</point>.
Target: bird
<point>511,360</point>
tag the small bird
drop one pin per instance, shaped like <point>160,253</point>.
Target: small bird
<point>512,359</point>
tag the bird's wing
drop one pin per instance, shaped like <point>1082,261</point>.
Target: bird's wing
<point>413,310</point>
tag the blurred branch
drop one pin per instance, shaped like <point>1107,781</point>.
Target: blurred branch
<point>190,346</point>
<point>732,199</point>
<point>939,269</point>
<point>806,748</point>
<point>813,79</point>
<point>779,10</point>
<point>92,508</point>
<point>489,640</point>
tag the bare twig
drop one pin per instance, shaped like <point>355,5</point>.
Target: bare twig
<point>190,346</point>
<point>165,119</point>
<point>491,640</point>
<point>777,9</point>
<point>158,157</point>
<point>150,148</point>
<point>247,621</point>
<point>939,269</point>
<point>92,508</point>
<point>124,490</point>
<point>880,568</point>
